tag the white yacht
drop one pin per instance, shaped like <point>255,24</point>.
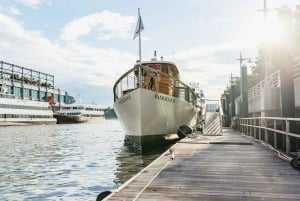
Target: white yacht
<point>79,113</point>
<point>152,103</point>
<point>27,96</point>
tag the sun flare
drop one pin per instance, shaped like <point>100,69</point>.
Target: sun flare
<point>258,30</point>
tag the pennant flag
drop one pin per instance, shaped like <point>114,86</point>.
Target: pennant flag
<point>139,27</point>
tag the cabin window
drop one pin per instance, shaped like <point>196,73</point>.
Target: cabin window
<point>164,68</point>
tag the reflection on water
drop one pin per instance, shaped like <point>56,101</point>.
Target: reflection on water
<point>66,161</point>
<point>130,161</point>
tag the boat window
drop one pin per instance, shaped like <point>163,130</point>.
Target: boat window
<point>164,68</point>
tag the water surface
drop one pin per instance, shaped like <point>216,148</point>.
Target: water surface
<point>66,161</point>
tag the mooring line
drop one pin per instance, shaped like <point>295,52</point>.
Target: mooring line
<point>277,153</point>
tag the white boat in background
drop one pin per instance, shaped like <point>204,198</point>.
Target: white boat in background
<point>27,96</point>
<point>79,113</point>
<point>152,103</point>
<point>22,112</point>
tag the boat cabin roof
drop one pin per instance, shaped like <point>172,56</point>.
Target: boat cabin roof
<point>159,63</point>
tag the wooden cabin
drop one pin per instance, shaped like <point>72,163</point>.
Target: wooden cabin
<point>161,77</point>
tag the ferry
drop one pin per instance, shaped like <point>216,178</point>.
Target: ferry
<point>152,104</point>
<point>27,96</point>
<point>79,113</point>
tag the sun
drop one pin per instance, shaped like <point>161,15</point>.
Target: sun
<point>272,30</point>
<point>256,30</point>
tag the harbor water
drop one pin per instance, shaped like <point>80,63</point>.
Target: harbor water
<point>66,161</point>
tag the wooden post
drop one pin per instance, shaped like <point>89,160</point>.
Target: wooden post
<point>253,128</point>
<point>259,131</point>
<point>248,127</point>
<point>287,137</point>
<point>275,135</point>
<point>243,126</point>
<point>266,135</point>
<point>254,124</point>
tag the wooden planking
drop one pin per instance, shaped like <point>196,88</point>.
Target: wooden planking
<point>231,168</point>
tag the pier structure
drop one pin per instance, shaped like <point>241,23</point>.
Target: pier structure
<point>276,92</point>
<point>231,166</point>
<point>27,84</point>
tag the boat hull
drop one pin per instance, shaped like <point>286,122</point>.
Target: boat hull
<point>63,119</point>
<point>14,112</point>
<point>20,122</point>
<point>149,117</point>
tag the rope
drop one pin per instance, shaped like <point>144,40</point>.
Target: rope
<point>277,153</point>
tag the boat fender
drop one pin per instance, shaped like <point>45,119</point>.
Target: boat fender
<point>183,131</point>
<point>103,195</point>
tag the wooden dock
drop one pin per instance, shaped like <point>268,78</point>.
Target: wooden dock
<point>228,167</point>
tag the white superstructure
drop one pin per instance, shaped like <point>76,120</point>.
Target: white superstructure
<point>27,96</point>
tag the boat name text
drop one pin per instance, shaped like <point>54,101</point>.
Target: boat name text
<point>124,99</point>
<point>165,98</point>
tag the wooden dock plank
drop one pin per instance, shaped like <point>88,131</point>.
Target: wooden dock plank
<point>228,167</point>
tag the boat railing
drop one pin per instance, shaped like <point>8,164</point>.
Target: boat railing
<point>279,132</point>
<point>129,81</point>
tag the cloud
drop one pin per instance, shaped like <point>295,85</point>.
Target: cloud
<point>71,61</point>
<point>106,24</point>
<point>211,65</point>
<point>81,65</point>
<point>11,10</point>
<point>34,4</point>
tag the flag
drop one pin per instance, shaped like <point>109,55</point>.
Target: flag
<point>139,27</point>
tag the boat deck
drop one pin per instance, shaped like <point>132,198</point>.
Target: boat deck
<point>227,167</point>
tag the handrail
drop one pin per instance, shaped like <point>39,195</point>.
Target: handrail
<point>134,84</point>
<point>274,131</point>
<point>275,118</point>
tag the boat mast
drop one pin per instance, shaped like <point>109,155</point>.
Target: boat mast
<point>140,43</point>
<point>140,49</point>
<point>138,29</point>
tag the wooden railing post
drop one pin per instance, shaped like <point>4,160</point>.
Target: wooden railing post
<point>245,127</point>
<point>241,127</point>
<point>259,132</point>
<point>254,128</point>
<point>248,127</point>
<point>266,132</point>
<point>275,135</point>
<point>287,137</point>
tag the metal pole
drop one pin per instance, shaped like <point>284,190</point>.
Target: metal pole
<point>140,51</point>
<point>140,44</point>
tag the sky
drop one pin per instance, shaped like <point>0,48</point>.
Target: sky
<point>88,44</point>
